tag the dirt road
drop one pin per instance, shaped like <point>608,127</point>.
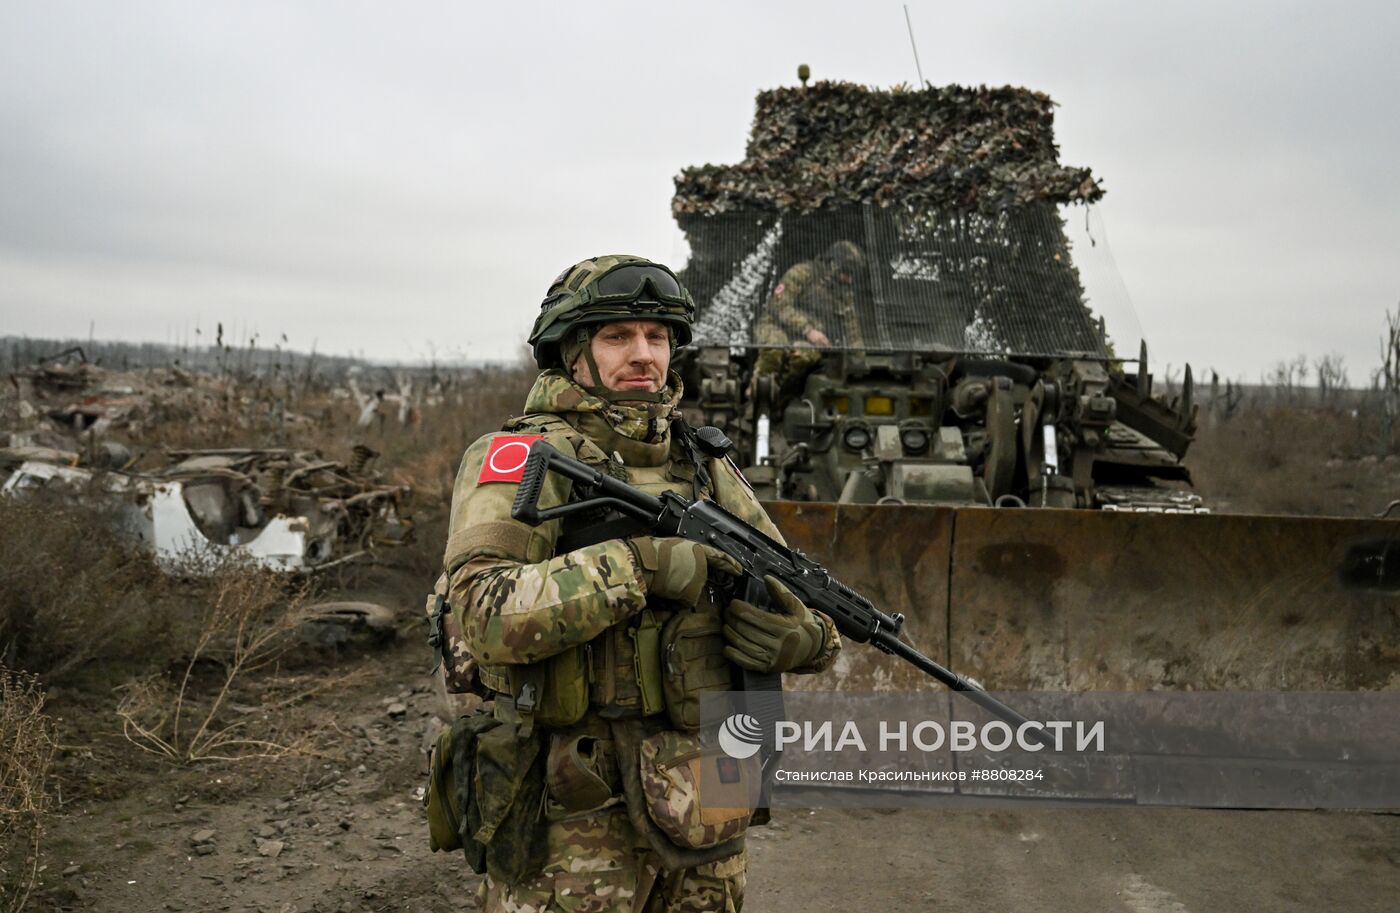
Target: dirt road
<point>1075,860</point>
<point>344,832</point>
<point>356,843</point>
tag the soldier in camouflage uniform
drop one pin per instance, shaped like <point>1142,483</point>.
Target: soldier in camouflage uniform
<point>813,305</point>
<point>814,302</point>
<point>536,605</point>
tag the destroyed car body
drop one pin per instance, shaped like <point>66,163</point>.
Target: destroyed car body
<point>280,509</point>
<point>284,509</point>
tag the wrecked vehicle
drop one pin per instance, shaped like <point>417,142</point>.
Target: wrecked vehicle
<point>281,509</point>
<point>286,509</point>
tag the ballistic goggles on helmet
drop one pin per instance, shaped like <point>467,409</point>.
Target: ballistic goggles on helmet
<point>627,288</point>
<point>635,282</point>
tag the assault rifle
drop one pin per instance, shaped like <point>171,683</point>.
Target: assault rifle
<point>707,523</point>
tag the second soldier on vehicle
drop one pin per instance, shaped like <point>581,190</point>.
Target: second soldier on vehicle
<point>813,306</point>
<point>814,302</point>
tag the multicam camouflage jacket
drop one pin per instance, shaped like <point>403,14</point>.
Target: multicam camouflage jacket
<point>810,297</point>
<point>517,601</point>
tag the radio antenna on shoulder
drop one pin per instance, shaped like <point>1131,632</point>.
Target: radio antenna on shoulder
<point>910,24</point>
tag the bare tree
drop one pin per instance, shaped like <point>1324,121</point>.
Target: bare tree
<point>1223,403</point>
<point>1171,381</point>
<point>1234,396</point>
<point>1287,377</point>
<point>1387,379</point>
<point>1212,404</point>
<point>1331,373</point>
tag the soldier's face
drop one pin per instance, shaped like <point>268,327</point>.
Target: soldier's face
<point>631,355</point>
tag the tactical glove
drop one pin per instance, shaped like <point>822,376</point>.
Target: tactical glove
<point>787,637</point>
<point>675,568</point>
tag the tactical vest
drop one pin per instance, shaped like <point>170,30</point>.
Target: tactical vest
<point>661,658</point>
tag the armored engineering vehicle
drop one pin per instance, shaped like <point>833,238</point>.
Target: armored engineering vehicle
<point>928,424</point>
<point>917,339</point>
<point>899,337</point>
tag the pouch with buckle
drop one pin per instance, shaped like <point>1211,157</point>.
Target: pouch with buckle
<point>697,794</point>
<point>508,784</point>
<point>692,664</point>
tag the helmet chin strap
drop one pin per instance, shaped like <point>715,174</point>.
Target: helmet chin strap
<point>585,340</point>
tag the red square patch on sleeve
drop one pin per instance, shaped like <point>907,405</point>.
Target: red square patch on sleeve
<point>505,458</point>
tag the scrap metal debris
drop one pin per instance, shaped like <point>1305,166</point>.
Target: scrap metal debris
<point>331,624</point>
<point>287,509</point>
<point>344,511</point>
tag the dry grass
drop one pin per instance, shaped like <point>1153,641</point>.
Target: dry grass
<point>1281,455</point>
<point>250,620</point>
<point>425,453</point>
<point>70,593</point>
<point>27,737</point>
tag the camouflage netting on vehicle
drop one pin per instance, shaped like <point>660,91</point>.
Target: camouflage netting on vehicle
<point>952,199</point>
<point>927,281</point>
<point>838,144</point>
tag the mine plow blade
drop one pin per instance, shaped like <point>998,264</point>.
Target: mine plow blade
<point>896,556</point>
<point>1065,600</point>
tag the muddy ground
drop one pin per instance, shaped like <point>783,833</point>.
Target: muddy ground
<point>343,830</point>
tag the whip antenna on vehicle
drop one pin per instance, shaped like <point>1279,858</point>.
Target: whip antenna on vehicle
<point>910,24</point>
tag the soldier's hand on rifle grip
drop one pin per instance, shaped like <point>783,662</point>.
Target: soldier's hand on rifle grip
<point>678,569</point>
<point>786,637</point>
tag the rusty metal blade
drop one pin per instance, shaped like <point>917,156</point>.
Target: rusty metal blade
<point>1080,600</point>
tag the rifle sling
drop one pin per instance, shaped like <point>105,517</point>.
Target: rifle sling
<point>588,534</point>
<point>593,533</point>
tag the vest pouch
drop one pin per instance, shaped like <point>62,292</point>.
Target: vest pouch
<point>551,692</point>
<point>646,658</point>
<point>580,774</point>
<point>692,664</point>
<point>508,780</point>
<point>444,821</point>
<point>564,695</point>
<point>696,794</point>
<point>451,800</point>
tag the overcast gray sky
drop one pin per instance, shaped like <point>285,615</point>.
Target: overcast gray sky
<point>398,178</point>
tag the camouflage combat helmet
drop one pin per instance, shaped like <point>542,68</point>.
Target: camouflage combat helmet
<point>845,256</point>
<point>603,289</point>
